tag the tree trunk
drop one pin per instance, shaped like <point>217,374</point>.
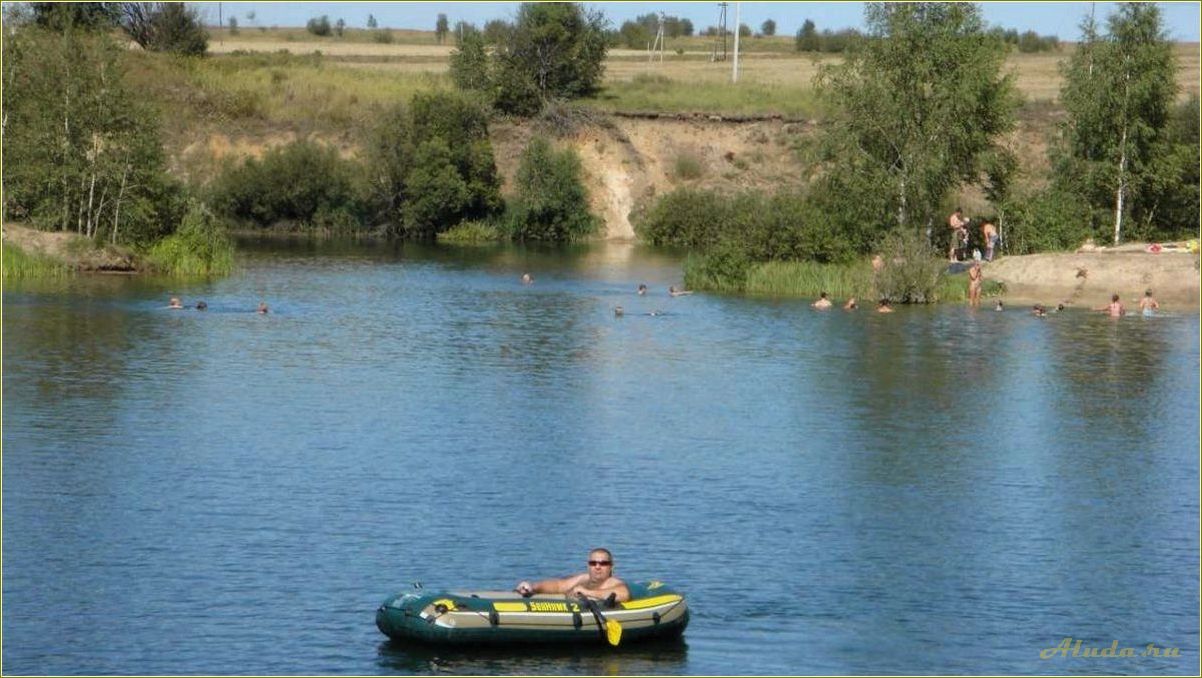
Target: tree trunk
<point>117,206</point>
<point>1120,194</point>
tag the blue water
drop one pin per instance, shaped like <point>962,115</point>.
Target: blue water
<point>938,490</point>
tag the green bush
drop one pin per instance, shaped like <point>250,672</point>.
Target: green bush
<point>291,186</point>
<point>471,233</point>
<point>723,268</point>
<point>550,202</point>
<point>784,226</point>
<point>1047,220</point>
<point>687,166</point>
<point>200,247</point>
<point>432,165</point>
<point>319,26</point>
<point>913,270</point>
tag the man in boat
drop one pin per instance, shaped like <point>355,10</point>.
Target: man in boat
<point>598,582</point>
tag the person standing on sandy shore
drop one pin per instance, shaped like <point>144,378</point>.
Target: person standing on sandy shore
<point>989,234</point>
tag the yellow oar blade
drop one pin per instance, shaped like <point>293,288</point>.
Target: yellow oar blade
<point>613,631</point>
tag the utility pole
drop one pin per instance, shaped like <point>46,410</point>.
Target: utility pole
<point>734,74</point>
<point>659,42</point>
<point>721,56</point>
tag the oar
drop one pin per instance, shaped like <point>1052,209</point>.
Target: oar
<point>609,629</point>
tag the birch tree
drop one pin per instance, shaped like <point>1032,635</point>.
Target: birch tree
<point>918,107</point>
<point>1118,92</point>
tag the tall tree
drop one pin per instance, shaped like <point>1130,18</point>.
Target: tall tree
<point>556,50</point>
<point>807,38</point>
<point>768,28</point>
<point>441,28</point>
<point>918,106</point>
<point>81,151</point>
<point>1118,92</point>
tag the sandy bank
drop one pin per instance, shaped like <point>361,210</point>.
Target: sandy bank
<point>1087,279</point>
<point>72,249</point>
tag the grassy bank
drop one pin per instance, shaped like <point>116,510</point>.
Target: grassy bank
<point>804,279</point>
<point>21,265</point>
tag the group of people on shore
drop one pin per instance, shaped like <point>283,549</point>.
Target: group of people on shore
<point>957,249</point>
<point>177,304</point>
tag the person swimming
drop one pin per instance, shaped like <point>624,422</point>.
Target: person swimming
<point>262,308</point>
<point>202,306</point>
<point>618,312</point>
<point>850,305</point>
<point>883,306</point>
<point>175,303</point>
<point>527,279</point>
<point>823,302</point>
<point>642,289</point>
<point>998,306</point>
<point>678,293</point>
<point>1148,305</point>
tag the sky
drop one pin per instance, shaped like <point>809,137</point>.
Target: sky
<point>1061,19</point>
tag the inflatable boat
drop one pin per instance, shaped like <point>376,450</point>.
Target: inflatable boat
<point>492,617</point>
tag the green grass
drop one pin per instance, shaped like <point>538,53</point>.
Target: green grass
<point>248,93</point>
<point>471,233</point>
<point>661,94</point>
<point>808,279</point>
<point>22,265</point>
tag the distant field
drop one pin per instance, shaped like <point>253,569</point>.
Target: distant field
<point>773,78</point>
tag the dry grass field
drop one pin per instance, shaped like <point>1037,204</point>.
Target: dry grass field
<point>768,64</point>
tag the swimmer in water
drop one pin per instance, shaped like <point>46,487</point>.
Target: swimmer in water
<point>1148,306</point>
<point>175,303</point>
<point>262,308</point>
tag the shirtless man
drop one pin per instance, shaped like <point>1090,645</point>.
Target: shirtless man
<point>974,284</point>
<point>1148,305</point>
<point>175,303</point>
<point>989,235</point>
<point>884,307</point>
<point>959,225</point>
<point>598,582</point>
<point>823,303</point>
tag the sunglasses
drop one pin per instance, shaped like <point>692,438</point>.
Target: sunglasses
<point>599,563</point>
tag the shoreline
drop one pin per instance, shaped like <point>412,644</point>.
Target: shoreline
<point>1088,279</point>
<point>1077,279</point>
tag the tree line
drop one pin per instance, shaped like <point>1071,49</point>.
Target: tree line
<point>919,111</point>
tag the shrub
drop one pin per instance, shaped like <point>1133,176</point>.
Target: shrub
<point>1044,220</point>
<point>432,165</point>
<point>382,36</point>
<point>550,201</point>
<point>722,269</point>
<point>319,26</point>
<point>913,270</point>
<point>200,247</point>
<point>687,166</point>
<point>291,185</point>
<point>471,233</point>
<point>166,27</point>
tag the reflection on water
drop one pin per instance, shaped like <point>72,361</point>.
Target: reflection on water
<point>933,491</point>
<point>646,658</point>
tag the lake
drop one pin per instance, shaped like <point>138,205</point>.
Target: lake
<point>939,490</point>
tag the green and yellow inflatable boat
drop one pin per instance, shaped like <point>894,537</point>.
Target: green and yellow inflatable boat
<point>500,617</point>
